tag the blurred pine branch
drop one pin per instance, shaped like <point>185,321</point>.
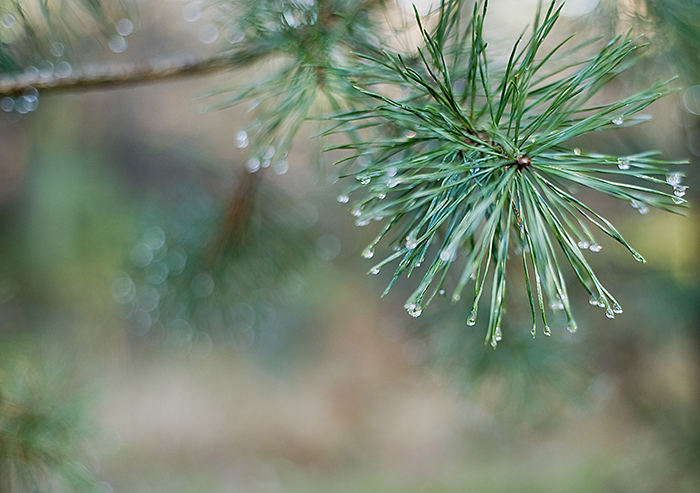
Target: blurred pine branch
<point>44,430</point>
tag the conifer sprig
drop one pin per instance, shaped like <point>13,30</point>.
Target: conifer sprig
<point>308,47</point>
<point>472,163</point>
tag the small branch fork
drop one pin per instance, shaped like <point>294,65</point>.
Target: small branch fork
<point>116,76</point>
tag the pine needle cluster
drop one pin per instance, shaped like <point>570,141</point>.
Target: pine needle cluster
<point>472,164</point>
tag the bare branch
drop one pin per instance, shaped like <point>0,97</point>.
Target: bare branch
<point>130,74</point>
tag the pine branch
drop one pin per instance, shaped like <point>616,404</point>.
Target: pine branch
<point>479,168</point>
<point>316,45</point>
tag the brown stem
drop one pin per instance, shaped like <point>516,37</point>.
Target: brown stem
<point>237,216</point>
<point>111,77</point>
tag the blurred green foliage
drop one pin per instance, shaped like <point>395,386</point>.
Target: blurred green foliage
<point>217,267</point>
<point>44,429</point>
<point>37,34</point>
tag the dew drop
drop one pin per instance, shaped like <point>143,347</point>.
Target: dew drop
<point>235,36</point>
<point>494,343</point>
<point>357,212</point>
<point>176,262</point>
<point>291,19</point>
<point>391,171</point>
<point>674,179</point>
<point>623,163</point>
<point>364,179</point>
<point>63,70</point>
<point>124,27</point>
<point>533,331</point>
<point>577,151</point>
<point>595,248</point>
<point>8,21</point>
<point>643,209</point>
<point>57,49</point>
<point>547,331</point>
<point>192,12</point>
<point>410,134</point>
<point>639,258</point>
<point>362,222</point>
<point>556,305</point>
<point>363,161</point>
<point>678,200</point>
<point>281,167</point>
<point>593,301</point>
<point>498,336</point>
<point>679,190</point>
<point>368,252</point>
<point>393,182</point>
<point>617,309</point>
<point>375,271</point>
<point>7,104</point>
<point>253,165</point>
<point>445,256</point>
<point>583,245</point>
<point>31,73</point>
<point>208,33</point>
<point>154,237</point>
<point>609,313</point>
<point>617,121</point>
<point>411,242</point>
<point>471,321</point>
<point>269,153</point>
<point>241,139</point>
<point>141,255</point>
<point>441,292</point>
<point>571,326</point>
<point>118,44</point>
<point>413,309</point>
<point>46,69</point>
<point>123,289</point>
<point>343,199</point>
<point>381,195</point>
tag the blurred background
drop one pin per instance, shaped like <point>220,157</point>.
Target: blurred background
<point>129,360</point>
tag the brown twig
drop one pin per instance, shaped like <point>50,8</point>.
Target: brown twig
<point>236,216</point>
<point>116,76</point>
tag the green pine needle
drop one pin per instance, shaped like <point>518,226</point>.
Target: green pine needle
<point>472,164</point>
